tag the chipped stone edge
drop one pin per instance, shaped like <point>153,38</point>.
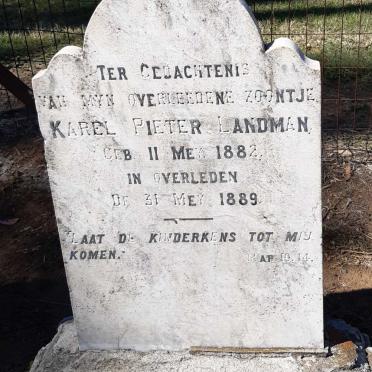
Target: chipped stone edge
<point>43,351</point>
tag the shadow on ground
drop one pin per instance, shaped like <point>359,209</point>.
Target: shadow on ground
<point>355,308</point>
<point>30,314</point>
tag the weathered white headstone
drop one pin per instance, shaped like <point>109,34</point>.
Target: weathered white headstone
<point>184,162</point>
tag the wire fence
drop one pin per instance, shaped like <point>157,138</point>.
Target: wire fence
<point>338,33</point>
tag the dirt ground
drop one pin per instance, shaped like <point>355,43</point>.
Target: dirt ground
<point>33,291</point>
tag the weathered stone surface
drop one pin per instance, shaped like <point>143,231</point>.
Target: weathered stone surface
<point>63,355</point>
<point>184,161</point>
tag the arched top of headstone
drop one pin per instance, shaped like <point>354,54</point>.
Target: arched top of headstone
<point>174,28</point>
<point>185,32</point>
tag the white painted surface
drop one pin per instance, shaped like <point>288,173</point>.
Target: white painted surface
<point>159,295</point>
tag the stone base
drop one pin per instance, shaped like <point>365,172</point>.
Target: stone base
<point>62,354</point>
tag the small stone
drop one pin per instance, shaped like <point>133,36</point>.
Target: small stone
<point>345,353</point>
<point>369,355</point>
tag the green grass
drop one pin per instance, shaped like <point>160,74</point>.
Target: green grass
<point>39,28</point>
<point>328,34</point>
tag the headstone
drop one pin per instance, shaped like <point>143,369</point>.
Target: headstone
<point>184,162</point>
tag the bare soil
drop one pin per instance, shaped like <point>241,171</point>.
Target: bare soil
<point>33,291</point>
